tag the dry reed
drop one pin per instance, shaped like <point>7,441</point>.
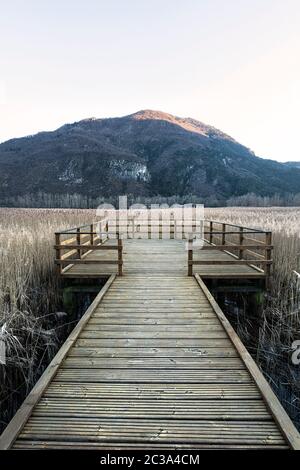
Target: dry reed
<point>29,297</point>
<point>279,324</point>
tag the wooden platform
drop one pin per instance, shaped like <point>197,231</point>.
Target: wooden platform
<point>152,364</point>
<point>160,256</point>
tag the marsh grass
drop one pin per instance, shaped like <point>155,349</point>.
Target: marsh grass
<point>30,324</point>
<point>279,324</point>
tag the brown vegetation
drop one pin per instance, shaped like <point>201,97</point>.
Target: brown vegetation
<point>29,297</point>
<point>280,322</point>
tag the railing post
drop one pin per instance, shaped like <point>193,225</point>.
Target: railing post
<point>100,232</point>
<point>92,234</point>
<point>241,241</point>
<point>78,238</point>
<point>268,256</point>
<point>160,225</point>
<point>223,234</point>
<point>190,257</point>
<point>149,221</point>
<point>57,253</point>
<point>211,227</point>
<point>120,255</point>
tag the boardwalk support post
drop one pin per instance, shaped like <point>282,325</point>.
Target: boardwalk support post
<point>92,234</point>
<point>211,227</point>
<point>190,257</point>
<point>241,241</point>
<point>120,255</point>
<point>78,242</point>
<point>268,255</point>
<point>57,251</point>
<point>223,234</point>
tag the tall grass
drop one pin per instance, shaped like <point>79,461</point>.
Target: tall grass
<point>279,324</point>
<point>30,324</point>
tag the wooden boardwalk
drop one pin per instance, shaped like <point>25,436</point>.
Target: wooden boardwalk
<point>153,363</point>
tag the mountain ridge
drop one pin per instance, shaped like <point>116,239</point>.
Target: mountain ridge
<point>147,153</point>
<point>292,164</point>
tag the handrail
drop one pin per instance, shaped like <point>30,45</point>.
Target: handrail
<point>258,230</point>
<point>70,230</point>
<point>246,249</point>
<point>88,233</point>
<point>76,249</point>
<point>242,253</point>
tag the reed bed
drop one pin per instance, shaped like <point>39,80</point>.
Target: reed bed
<point>30,320</point>
<point>279,324</point>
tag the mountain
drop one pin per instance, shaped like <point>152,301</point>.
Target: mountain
<point>292,164</point>
<point>144,154</point>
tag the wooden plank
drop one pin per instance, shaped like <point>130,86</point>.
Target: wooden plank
<point>88,334</point>
<point>250,410</point>
<point>155,391</point>
<point>233,262</point>
<point>89,246</point>
<point>86,261</point>
<point>144,320</point>
<point>81,445</point>
<point>154,329</point>
<point>236,247</point>
<point>150,376</point>
<point>153,363</point>
<point>153,348</point>
<point>150,313</point>
<point>162,431</point>
<point>253,230</point>
<point>158,302</point>
<point>156,347</point>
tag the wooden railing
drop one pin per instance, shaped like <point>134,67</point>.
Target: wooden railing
<point>246,246</point>
<point>73,245</point>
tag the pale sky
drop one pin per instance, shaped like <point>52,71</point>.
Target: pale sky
<point>234,64</point>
